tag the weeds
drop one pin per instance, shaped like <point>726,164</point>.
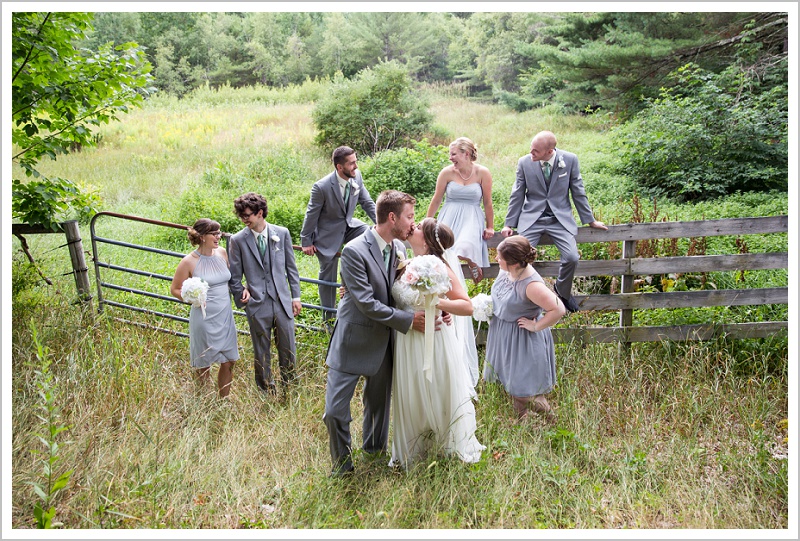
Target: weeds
<point>51,483</point>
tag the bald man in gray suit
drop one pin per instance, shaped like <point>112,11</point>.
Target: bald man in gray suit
<point>540,203</point>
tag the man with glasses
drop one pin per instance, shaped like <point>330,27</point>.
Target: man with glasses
<point>263,254</point>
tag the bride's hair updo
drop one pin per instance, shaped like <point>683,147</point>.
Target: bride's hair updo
<point>517,250</point>
<point>437,236</point>
<point>201,227</point>
<point>465,145</point>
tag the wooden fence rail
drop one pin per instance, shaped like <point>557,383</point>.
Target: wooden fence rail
<point>628,267</point>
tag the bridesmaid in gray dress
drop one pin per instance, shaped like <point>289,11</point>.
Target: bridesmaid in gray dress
<point>212,339</point>
<point>520,345</point>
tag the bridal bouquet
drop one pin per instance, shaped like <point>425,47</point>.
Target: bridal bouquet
<point>427,274</point>
<point>482,308</point>
<point>194,291</point>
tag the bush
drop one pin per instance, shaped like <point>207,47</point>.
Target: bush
<point>375,111</point>
<point>411,170</point>
<point>710,135</point>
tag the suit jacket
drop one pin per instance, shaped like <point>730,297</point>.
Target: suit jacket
<point>245,259</point>
<point>530,193</point>
<point>327,219</point>
<point>366,318</point>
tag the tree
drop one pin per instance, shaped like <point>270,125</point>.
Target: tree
<point>374,111</point>
<point>59,91</point>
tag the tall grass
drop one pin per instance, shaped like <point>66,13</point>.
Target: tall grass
<point>662,436</point>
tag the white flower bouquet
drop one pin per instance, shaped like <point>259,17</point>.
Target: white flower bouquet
<point>427,274</point>
<point>482,307</point>
<point>194,291</point>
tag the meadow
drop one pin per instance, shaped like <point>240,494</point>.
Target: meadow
<point>664,436</point>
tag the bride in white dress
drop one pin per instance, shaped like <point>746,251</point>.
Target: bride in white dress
<point>432,410</point>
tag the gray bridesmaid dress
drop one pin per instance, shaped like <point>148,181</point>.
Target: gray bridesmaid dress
<point>213,339</point>
<point>524,361</point>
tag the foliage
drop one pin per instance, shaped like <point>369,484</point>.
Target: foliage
<point>411,170</point>
<point>375,111</point>
<point>49,413</point>
<point>59,91</point>
<point>710,135</point>
<point>51,201</point>
<point>152,450</point>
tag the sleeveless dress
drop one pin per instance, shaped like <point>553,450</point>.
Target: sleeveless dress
<point>213,339</point>
<point>462,212</point>
<point>524,361</point>
<point>429,416</point>
<point>465,332</point>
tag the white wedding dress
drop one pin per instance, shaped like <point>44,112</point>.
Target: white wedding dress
<point>436,414</point>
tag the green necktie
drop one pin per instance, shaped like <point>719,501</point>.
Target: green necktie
<point>387,252</point>
<point>346,195</point>
<point>262,244</point>
<point>546,170</point>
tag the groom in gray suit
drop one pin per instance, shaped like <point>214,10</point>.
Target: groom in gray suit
<point>329,221</point>
<point>540,203</point>
<point>263,254</point>
<point>362,342</point>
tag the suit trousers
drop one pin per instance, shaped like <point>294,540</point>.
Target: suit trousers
<point>329,272</point>
<point>377,395</point>
<point>268,320</point>
<point>567,247</point>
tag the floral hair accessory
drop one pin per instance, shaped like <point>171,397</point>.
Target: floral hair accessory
<point>436,232</point>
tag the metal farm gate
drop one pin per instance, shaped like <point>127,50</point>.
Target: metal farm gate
<point>143,286</point>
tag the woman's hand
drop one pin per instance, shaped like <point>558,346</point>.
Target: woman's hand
<point>245,295</point>
<point>488,233</point>
<point>528,324</point>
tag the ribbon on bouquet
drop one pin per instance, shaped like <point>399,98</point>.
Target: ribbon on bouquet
<point>430,328</point>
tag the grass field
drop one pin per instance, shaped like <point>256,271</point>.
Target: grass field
<point>666,436</point>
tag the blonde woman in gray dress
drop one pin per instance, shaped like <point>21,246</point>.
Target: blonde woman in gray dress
<point>212,336</point>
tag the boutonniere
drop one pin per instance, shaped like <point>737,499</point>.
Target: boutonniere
<point>561,163</point>
<point>355,186</point>
<point>401,259</point>
<point>276,240</point>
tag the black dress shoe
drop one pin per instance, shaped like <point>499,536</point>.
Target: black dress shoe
<point>570,304</point>
<point>342,472</point>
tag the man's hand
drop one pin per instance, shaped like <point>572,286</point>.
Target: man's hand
<point>598,225</point>
<point>506,231</point>
<point>419,322</point>
<point>296,307</point>
<point>309,250</point>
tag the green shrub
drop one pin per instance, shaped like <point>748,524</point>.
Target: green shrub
<point>709,135</point>
<point>411,170</point>
<point>377,110</point>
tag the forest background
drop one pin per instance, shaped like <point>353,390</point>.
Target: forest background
<point>235,106</point>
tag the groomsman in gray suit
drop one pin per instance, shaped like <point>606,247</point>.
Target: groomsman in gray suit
<point>329,222</point>
<point>540,203</point>
<point>262,253</point>
<point>362,343</point>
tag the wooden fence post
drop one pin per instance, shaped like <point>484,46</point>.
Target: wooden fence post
<point>626,315</point>
<point>79,268</point>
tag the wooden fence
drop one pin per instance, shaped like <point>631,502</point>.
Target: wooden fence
<point>628,267</point>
